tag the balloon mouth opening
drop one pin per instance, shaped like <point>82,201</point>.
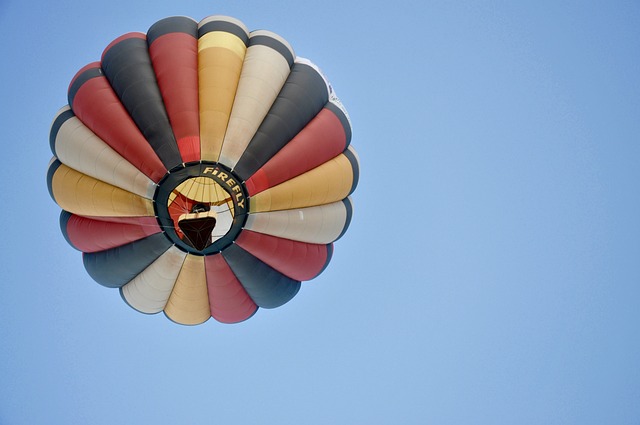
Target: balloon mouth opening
<point>201,207</point>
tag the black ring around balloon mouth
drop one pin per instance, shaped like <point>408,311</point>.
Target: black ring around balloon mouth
<point>224,177</point>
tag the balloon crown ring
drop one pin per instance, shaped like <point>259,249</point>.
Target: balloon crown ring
<point>213,194</point>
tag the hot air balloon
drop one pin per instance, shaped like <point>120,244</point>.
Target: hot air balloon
<point>202,169</point>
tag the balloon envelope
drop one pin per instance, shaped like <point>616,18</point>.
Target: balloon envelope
<point>203,169</point>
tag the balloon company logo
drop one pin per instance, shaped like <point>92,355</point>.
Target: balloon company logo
<point>228,182</point>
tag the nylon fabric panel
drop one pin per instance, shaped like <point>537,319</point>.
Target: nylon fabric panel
<point>264,72</point>
<point>322,139</point>
<point>188,303</point>
<point>96,104</point>
<point>172,25</point>
<point>85,195</point>
<point>330,182</point>
<point>274,41</point>
<point>224,23</point>
<point>303,95</point>
<point>322,224</point>
<point>174,55</point>
<point>267,287</point>
<point>115,267</point>
<point>127,66</point>
<point>91,235</point>
<point>79,148</point>
<point>220,56</point>
<point>64,114</point>
<point>228,300</point>
<point>297,260</point>
<point>149,291</point>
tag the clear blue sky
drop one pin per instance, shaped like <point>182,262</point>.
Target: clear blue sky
<point>491,274</point>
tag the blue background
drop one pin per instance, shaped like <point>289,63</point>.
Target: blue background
<point>491,273</point>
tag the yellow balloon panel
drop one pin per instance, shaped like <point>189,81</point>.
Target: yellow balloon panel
<point>84,195</point>
<point>329,182</point>
<point>220,57</point>
<point>202,189</point>
<point>188,303</point>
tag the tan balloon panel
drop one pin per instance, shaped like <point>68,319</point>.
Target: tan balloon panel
<point>189,300</point>
<point>220,58</point>
<point>329,182</point>
<point>85,195</point>
<point>202,189</point>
